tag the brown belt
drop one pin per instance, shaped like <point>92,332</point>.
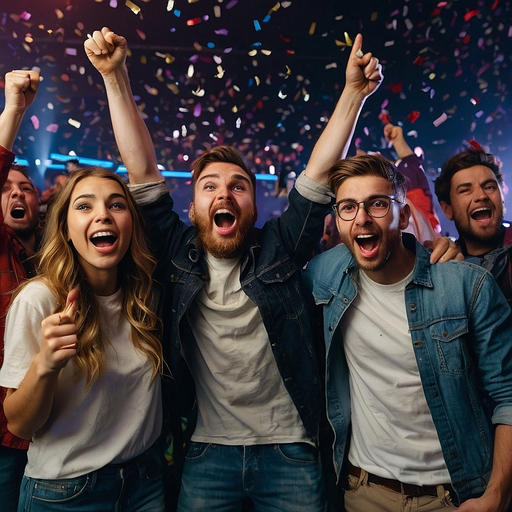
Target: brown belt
<point>407,489</point>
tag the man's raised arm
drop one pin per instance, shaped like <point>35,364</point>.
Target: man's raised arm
<point>362,77</point>
<point>20,91</point>
<point>107,52</point>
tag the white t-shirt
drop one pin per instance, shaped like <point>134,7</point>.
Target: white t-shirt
<point>393,434</point>
<point>241,396</point>
<point>117,419</point>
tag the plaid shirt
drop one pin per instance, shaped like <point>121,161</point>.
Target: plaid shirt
<point>12,272</point>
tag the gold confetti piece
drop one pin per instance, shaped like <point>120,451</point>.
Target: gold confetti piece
<point>257,80</point>
<point>134,8</point>
<point>312,28</point>
<point>151,90</point>
<point>347,39</point>
<point>170,5</point>
<point>59,14</point>
<point>266,52</point>
<point>190,71</point>
<point>252,53</point>
<point>288,72</point>
<point>220,72</point>
<point>174,88</point>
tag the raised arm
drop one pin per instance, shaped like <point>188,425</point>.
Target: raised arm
<point>363,76</point>
<point>20,91</point>
<point>107,52</point>
<point>395,135</point>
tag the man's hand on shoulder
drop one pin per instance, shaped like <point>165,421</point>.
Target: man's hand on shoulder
<point>443,249</point>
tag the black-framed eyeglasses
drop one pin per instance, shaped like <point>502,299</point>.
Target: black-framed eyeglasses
<point>376,207</point>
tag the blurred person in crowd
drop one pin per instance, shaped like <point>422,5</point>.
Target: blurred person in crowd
<point>19,240</point>
<point>417,186</point>
<point>73,164</point>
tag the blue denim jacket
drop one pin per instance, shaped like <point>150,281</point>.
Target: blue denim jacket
<point>271,275</point>
<point>461,332</point>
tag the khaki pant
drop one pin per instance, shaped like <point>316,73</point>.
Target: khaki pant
<point>364,497</point>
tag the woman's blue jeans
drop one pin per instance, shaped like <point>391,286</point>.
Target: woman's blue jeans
<point>275,478</point>
<point>136,486</point>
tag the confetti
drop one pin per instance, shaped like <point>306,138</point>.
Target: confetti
<point>440,120</point>
<point>134,8</point>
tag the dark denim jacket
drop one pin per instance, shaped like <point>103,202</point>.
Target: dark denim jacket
<point>271,269</point>
<point>461,333</point>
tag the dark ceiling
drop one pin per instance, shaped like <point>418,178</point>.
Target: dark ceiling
<point>265,74</point>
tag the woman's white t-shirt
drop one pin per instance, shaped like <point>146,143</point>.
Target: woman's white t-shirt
<point>118,418</point>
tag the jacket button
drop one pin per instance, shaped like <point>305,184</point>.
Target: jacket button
<point>278,275</point>
<point>330,327</point>
<point>345,300</point>
<point>417,343</point>
<point>413,308</point>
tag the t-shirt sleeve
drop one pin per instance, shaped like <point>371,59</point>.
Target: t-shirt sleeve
<point>23,332</point>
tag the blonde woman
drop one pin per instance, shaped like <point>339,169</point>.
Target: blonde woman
<point>83,357</point>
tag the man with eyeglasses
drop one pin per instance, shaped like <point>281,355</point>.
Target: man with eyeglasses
<point>417,359</point>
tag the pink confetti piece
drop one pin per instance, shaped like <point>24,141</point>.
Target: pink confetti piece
<point>35,122</point>
<point>52,128</point>
<point>440,120</point>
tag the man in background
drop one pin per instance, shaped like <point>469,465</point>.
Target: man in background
<point>469,190</point>
<point>19,238</point>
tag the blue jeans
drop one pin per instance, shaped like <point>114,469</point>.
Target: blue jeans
<point>12,467</point>
<point>275,478</point>
<point>136,486</point>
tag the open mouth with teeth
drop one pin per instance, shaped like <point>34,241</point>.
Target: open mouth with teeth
<point>103,239</point>
<point>482,214</point>
<point>368,245</point>
<point>225,221</point>
<point>18,212</point>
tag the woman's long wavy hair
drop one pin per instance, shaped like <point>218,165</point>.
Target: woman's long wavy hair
<point>58,267</point>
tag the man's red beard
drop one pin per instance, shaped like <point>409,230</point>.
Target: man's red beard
<point>228,247</point>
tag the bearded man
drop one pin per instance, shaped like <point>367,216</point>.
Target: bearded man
<point>469,190</point>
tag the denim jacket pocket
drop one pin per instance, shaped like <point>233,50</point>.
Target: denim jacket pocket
<point>449,340</point>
